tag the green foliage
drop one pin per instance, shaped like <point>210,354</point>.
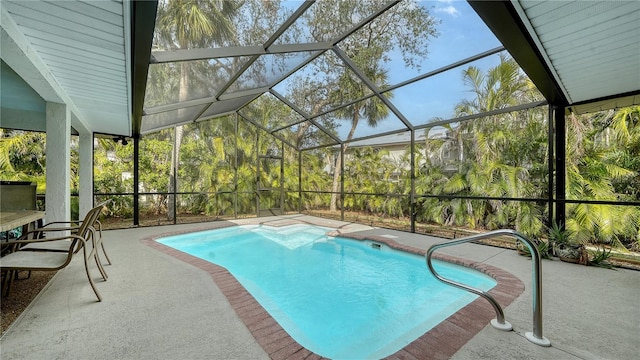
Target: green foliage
<point>559,235</point>
<point>502,156</point>
<point>543,249</point>
<point>75,208</point>
<point>599,256</point>
<point>596,143</point>
<point>22,157</point>
<point>372,171</point>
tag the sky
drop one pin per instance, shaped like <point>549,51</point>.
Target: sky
<point>462,34</point>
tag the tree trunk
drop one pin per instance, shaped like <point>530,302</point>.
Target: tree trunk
<point>460,147</point>
<point>175,160</point>
<point>175,155</point>
<point>333,206</point>
<point>337,170</point>
<point>300,133</point>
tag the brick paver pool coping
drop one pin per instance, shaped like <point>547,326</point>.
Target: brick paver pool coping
<point>441,342</point>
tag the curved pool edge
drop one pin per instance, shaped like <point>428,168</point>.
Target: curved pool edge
<point>441,342</point>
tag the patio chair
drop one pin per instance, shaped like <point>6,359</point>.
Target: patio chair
<point>45,260</point>
<point>93,232</point>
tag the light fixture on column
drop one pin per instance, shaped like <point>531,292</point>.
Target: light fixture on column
<point>120,139</point>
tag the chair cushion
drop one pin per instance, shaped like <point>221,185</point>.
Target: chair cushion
<point>33,260</point>
<point>58,245</point>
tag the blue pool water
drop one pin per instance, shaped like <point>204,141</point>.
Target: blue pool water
<point>340,298</point>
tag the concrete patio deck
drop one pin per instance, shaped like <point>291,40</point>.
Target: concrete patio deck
<point>159,307</point>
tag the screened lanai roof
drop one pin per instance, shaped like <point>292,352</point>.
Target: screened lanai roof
<point>296,65</point>
<point>101,58</point>
<point>575,52</point>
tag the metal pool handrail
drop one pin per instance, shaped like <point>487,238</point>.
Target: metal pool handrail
<point>536,336</point>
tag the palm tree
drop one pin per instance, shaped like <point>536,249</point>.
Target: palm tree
<point>500,87</point>
<point>489,162</point>
<point>206,164</point>
<point>625,124</point>
<point>626,130</point>
<point>22,156</point>
<point>313,178</point>
<point>369,49</point>
<point>187,24</point>
<point>371,109</point>
<point>590,175</point>
<point>110,162</point>
<point>8,143</point>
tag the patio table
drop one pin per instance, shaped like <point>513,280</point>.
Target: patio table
<point>13,219</point>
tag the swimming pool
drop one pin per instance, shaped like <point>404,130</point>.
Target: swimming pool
<point>337,297</point>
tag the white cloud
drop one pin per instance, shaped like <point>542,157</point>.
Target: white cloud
<point>451,10</point>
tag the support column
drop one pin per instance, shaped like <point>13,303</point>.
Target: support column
<point>85,150</point>
<point>299,181</point>
<point>342,182</point>
<point>412,169</point>
<point>561,163</point>
<point>58,171</point>
<point>551,167</point>
<point>235,165</point>
<point>136,181</point>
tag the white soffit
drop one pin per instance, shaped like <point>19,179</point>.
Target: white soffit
<point>84,49</point>
<point>592,47</point>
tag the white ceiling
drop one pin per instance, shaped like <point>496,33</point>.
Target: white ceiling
<point>591,47</point>
<point>71,52</point>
